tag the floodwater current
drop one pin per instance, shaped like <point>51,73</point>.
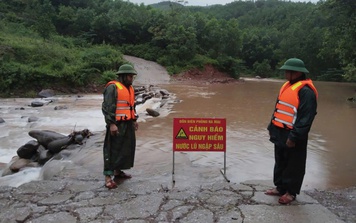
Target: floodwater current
<point>247,107</point>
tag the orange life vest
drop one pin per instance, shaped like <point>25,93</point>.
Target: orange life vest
<point>125,104</point>
<point>287,105</point>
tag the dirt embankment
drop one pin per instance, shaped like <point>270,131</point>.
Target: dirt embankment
<point>150,72</point>
<point>208,74</point>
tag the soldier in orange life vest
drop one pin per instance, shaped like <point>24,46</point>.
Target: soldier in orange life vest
<point>291,121</point>
<point>120,116</point>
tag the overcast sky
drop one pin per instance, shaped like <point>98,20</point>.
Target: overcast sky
<point>203,2</point>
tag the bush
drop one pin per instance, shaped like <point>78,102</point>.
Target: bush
<point>350,73</point>
<point>144,51</point>
<point>230,65</point>
<point>262,69</point>
<point>31,63</point>
<point>107,76</point>
<point>332,75</point>
<point>200,61</point>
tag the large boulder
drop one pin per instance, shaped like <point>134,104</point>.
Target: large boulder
<point>46,93</point>
<point>7,171</point>
<point>43,155</point>
<point>44,137</point>
<point>18,164</point>
<point>59,144</point>
<point>28,150</point>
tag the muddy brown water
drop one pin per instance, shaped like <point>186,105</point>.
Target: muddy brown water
<point>247,108</point>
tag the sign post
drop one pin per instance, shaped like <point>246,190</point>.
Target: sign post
<point>199,135</point>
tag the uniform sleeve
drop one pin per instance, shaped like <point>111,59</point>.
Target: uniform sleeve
<point>109,104</point>
<point>305,114</point>
<point>270,122</point>
<point>134,105</point>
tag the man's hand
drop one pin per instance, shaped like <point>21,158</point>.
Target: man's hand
<point>136,125</point>
<point>290,143</point>
<point>114,131</point>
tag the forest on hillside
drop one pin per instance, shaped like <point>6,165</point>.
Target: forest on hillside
<point>80,42</point>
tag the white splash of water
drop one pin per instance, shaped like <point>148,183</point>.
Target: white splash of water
<point>24,176</point>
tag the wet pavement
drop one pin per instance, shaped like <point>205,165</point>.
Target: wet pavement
<point>68,199</point>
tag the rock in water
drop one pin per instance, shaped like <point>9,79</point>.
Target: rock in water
<point>59,144</point>
<point>152,112</point>
<point>32,119</point>
<point>46,93</point>
<point>43,155</point>
<point>19,164</point>
<point>28,150</point>
<point>44,137</point>
<point>7,171</point>
<point>37,104</point>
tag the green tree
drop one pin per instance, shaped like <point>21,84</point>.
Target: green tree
<point>45,27</point>
<point>65,20</point>
<point>101,28</point>
<point>339,41</point>
<point>44,24</point>
<point>212,37</point>
<point>262,69</point>
<point>181,44</point>
<point>231,39</point>
<point>260,44</point>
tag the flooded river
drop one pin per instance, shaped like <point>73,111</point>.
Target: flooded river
<point>247,107</point>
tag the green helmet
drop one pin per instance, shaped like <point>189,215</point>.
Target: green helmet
<point>294,64</point>
<point>126,69</point>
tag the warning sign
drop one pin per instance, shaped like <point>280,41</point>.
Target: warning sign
<point>199,134</point>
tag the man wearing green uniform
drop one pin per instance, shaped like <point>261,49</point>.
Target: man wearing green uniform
<point>292,118</point>
<point>120,116</point>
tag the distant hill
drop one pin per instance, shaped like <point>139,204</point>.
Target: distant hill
<point>166,5</point>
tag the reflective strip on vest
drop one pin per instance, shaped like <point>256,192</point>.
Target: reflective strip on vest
<point>121,102</point>
<point>287,104</point>
<point>286,113</point>
<point>123,108</point>
<point>284,122</point>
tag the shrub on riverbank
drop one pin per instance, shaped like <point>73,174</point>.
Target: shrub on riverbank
<point>29,62</point>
